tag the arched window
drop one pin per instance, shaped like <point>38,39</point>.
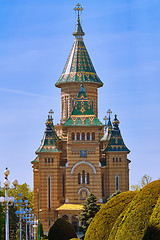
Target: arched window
<point>113,159</point>
<point>79,178</point>
<point>87,178</point>
<point>78,136</point>
<point>49,191</point>
<point>119,159</point>
<point>116,183</point>
<point>52,160</point>
<point>73,136</point>
<point>92,103</point>
<point>48,160</point>
<point>45,160</point>
<point>102,185</point>
<point>116,159</point>
<point>72,104</point>
<point>83,136</point>
<point>93,136</point>
<point>83,176</point>
<point>88,136</point>
<point>63,182</point>
<point>67,108</point>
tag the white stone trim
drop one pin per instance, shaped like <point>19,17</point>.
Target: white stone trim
<point>72,170</point>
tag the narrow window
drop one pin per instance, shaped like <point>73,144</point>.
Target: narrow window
<point>87,178</point>
<point>49,222</point>
<point>63,183</point>
<point>93,136</point>
<point>113,160</point>
<point>83,136</point>
<point>78,136</point>
<point>102,185</point>
<point>116,183</point>
<point>73,136</point>
<point>45,160</point>
<point>48,160</point>
<point>66,108</point>
<point>119,159</point>
<point>62,108</point>
<point>79,178</point>
<point>72,104</point>
<point>116,159</point>
<point>92,104</point>
<point>83,176</point>
<point>88,136</point>
<point>49,192</point>
<point>52,160</point>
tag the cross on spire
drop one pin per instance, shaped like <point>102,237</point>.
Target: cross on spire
<point>105,119</point>
<point>109,112</point>
<point>78,8</point>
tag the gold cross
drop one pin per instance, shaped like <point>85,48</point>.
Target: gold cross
<point>78,8</point>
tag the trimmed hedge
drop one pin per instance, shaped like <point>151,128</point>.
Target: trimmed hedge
<point>136,218</point>
<point>104,220</point>
<point>62,230</point>
<point>153,229</point>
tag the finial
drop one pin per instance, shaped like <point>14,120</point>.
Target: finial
<point>51,112</point>
<point>109,112</point>
<point>105,119</point>
<point>78,8</point>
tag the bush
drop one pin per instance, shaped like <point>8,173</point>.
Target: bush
<point>153,229</point>
<point>136,218</point>
<point>62,230</point>
<point>104,220</point>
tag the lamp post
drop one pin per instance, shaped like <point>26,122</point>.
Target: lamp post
<point>20,213</point>
<point>6,201</point>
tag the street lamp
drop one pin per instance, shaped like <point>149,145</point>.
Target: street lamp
<point>6,201</point>
<point>20,213</point>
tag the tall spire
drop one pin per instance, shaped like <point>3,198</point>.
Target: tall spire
<point>50,139</point>
<point>79,66</point>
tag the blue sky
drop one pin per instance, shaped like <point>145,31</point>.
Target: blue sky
<point>123,41</point>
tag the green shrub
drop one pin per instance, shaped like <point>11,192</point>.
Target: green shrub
<point>104,220</point>
<point>61,230</point>
<point>153,229</point>
<point>136,218</point>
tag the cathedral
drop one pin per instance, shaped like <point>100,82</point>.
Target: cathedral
<point>80,155</point>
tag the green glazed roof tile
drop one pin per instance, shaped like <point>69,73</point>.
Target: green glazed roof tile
<point>50,139</point>
<point>79,67</point>
<point>116,143</point>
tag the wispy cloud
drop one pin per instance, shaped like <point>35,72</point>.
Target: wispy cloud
<point>22,92</point>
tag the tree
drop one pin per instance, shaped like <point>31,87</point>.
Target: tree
<point>89,211</point>
<point>146,179</point>
<point>13,220</point>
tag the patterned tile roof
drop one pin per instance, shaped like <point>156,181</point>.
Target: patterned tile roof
<point>116,143</point>
<point>79,66</point>
<point>50,139</point>
<point>83,113</point>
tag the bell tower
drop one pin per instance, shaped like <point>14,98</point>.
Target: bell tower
<point>78,68</point>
